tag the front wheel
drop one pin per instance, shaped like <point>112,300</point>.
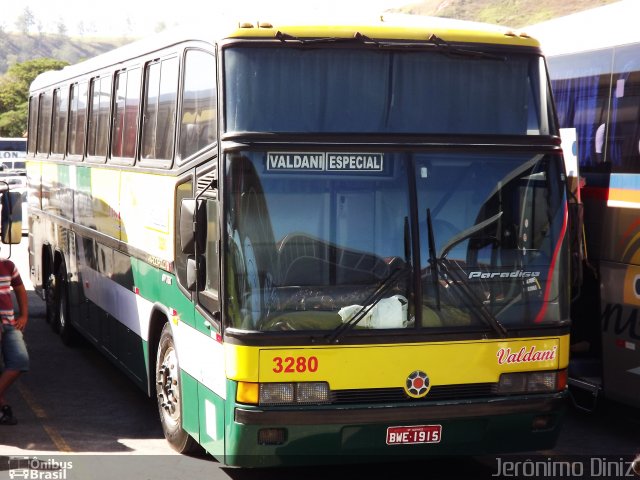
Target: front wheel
<point>169,394</point>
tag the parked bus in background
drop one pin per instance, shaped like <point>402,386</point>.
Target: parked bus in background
<point>12,153</point>
<point>313,243</point>
<point>596,86</point>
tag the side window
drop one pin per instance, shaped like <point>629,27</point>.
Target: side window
<point>624,131</point>
<point>124,133</point>
<point>198,121</point>
<point>33,125</point>
<point>125,116</point>
<point>99,110</point>
<point>581,87</point>
<point>209,251</point>
<point>183,190</point>
<point>159,120</point>
<point>44,123</point>
<point>77,118</point>
<point>60,115</point>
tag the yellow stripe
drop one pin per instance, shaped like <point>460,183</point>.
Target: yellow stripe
<point>383,366</point>
<point>40,413</point>
<point>406,27</point>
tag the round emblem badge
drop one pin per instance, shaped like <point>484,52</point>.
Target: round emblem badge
<point>417,384</point>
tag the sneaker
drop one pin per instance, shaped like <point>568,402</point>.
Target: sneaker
<point>7,417</point>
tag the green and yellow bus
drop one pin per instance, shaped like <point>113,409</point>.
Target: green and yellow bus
<point>313,243</point>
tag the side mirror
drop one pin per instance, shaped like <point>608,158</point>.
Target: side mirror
<point>187,226</point>
<point>11,218</point>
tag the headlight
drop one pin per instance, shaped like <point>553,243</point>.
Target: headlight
<point>302,393</point>
<point>276,394</point>
<point>312,392</point>
<point>532,382</point>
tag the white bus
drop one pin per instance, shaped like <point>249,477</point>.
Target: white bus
<point>594,64</point>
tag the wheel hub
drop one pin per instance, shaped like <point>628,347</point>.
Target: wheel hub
<point>167,381</point>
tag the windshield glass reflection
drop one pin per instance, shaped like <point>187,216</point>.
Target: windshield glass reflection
<point>308,249</point>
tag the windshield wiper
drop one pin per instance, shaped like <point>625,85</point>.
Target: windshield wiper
<point>462,285</point>
<point>433,259</point>
<point>440,267</point>
<point>357,37</point>
<point>369,303</point>
<point>449,49</point>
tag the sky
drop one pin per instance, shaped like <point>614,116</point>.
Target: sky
<point>138,18</point>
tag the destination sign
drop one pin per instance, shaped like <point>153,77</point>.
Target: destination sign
<point>325,162</point>
<point>12,154</point>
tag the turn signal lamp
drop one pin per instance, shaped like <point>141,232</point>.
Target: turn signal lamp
<point>247,393</point>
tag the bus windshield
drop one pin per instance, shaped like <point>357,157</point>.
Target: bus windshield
<point>346,90</point>
<point>404,240</point>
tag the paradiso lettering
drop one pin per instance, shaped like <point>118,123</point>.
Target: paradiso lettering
<point>514,274</point>
<point>325,162</point>
<point>507,356</point>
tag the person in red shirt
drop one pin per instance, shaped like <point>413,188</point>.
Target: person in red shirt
<point>12,346</point>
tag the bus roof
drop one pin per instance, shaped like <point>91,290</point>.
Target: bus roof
<point>393,27</point>
<point>594,29</point>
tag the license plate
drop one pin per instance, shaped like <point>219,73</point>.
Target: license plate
<point>414,434</point>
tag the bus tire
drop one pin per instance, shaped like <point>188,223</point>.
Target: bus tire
<point>67,331</point>
<point>168,391</point>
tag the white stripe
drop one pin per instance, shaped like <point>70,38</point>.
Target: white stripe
<point>202,357</point>
<point>622,204</point>
<point>128,308</point>
<point>199,355</point>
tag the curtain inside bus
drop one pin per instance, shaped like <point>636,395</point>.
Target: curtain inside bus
<point>316,90</point>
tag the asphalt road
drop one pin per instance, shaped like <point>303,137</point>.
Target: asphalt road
<point>81,418</point>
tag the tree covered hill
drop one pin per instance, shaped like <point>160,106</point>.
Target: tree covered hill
<point>23,56</point>
<point>19,47</point>
<point>513,13</point>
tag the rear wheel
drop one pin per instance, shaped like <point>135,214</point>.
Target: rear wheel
<point>169,394</point>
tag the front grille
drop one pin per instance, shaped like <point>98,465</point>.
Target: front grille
<point>398,395</point>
